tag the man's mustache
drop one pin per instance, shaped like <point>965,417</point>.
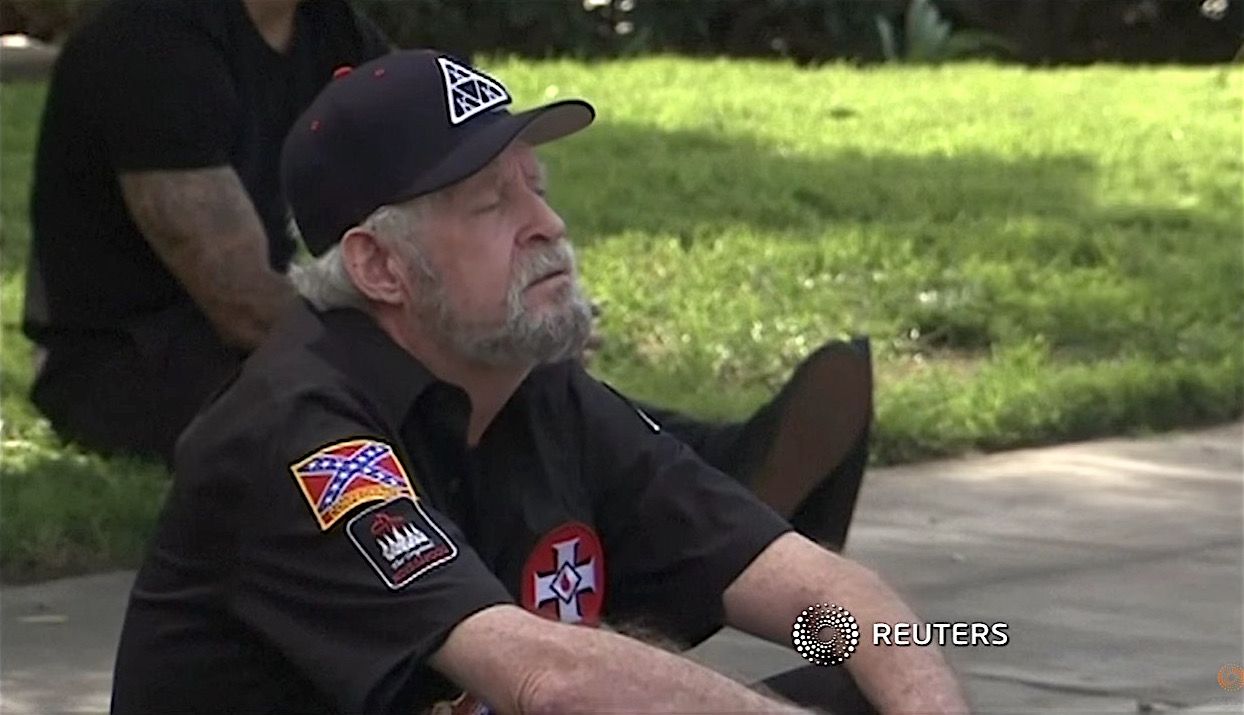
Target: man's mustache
<point>543,262</point>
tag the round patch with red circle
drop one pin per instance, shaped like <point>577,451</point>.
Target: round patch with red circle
<point>564,577</point>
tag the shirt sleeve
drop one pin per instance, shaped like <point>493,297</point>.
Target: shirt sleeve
<point>352,576</point>
<point>676,531</point>
<point>162,91</point>
<point>374,42</point>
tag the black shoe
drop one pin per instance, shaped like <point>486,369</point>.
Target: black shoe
<point>804,452</point>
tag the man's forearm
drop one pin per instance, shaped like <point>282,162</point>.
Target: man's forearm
<point>548,667</point>
<point>243,318</point>
<point>611,672</point>
<point>895,679</point>
<point>203,226</point>
<point>794,573</point>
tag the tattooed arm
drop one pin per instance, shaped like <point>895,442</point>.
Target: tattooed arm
<point>203,226</point>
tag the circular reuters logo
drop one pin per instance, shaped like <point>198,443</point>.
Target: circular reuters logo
<point>825,634</point>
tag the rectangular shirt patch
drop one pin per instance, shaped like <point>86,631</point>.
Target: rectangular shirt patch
<point>400,541</point>
<point>339,477</point>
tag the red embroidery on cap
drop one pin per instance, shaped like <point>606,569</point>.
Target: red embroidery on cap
<point>342,71</point>
<point>378,73</point>
<point>315,125</point>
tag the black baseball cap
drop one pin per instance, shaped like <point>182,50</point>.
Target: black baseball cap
<point>400,126</point>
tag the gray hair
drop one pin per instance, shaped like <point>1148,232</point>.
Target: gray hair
<point>325,282</point>
<point>521,336</point>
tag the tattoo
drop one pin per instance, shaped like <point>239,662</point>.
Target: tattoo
<point>203,226</point>
<point>173,208</point>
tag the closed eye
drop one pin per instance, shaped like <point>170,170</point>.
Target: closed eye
<point>491,204</point>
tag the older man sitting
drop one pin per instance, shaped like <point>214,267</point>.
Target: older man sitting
<point>411,490</point>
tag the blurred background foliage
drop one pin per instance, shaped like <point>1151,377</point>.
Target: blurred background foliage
<point>806,31</point>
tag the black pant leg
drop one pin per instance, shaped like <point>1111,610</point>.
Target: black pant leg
<point>827,689</point>
<point>688,430</point>
<point>712,441</point>
<point>135,391</point>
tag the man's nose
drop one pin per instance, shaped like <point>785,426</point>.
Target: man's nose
<point>544,223</point>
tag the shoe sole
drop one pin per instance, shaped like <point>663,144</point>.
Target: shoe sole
<point>824,415</point>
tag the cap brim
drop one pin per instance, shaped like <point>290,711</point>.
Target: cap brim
<point>554,121</point>
<point>539,125</point>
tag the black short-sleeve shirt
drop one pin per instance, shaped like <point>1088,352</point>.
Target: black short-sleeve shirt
<point>164,84</point>
<point>328,526</point>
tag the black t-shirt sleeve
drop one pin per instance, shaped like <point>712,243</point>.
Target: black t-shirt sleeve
<point>373,42</point>
<point>161,90</point>
<point>676,531</point>
<point>355,582</point>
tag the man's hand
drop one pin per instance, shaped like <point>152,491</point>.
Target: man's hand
<point>519,662</point>
<point>794,573</point>
<point>203,226</point>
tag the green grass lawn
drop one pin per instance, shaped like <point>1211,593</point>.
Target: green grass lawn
<point>1037,255</point>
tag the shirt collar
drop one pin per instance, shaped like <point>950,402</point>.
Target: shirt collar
<point>379,368</point>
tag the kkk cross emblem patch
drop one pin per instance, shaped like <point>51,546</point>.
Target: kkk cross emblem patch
<point>400,541</point>
<point>341,476</point>
<point>564,577</point>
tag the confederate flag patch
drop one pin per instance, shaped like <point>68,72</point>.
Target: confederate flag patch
<point>339,477</point>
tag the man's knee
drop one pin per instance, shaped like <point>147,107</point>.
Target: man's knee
<point>99,401</point>
<point>122,397</point>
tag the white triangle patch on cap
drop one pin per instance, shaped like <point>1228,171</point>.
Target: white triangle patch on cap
<point>468,92</point>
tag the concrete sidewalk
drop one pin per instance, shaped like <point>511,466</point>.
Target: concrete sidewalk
<point>1117,565</point>
<point>30,61</point>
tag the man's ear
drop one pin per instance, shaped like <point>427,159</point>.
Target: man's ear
<point>372,267</point>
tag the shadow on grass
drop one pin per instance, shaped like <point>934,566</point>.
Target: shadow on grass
<point>617,177</point>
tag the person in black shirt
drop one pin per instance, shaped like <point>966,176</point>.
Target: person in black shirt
<point>413,488</point>
<point>160,245</point>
